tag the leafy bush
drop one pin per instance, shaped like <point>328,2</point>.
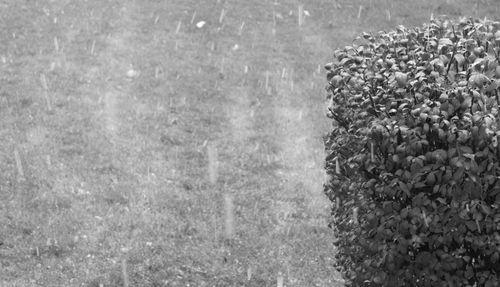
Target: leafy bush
<point>413,155</point>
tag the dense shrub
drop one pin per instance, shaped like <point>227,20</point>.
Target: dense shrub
<point>413,155</point>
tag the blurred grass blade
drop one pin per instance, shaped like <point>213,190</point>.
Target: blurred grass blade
<point>19,165</point>
<point>213,164</point>
<point>228,216</point>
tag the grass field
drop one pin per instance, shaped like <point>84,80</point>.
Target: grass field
<point>143,148</point>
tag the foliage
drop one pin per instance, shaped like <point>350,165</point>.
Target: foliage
<point>413,155</point>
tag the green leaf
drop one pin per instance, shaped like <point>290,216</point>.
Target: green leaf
<point>471,225</point>
<point>466,149</point>
<point>486,209</point>
<point>460,59</point>
<point>458,175</point>
<point>494,257</point>
<point>380,278</point>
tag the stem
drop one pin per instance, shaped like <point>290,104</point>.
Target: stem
<point>372,152</point>
<point>371,99</point>
<point>452,55</point>
<point>471,104</point>
<point>496,96</point>
<point>497,57</point>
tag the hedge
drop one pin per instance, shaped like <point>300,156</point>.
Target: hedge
<point>413,155</point>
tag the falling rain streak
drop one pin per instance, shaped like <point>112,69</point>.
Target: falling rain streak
<point>213,164</point>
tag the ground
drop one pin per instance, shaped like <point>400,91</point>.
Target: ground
<point>174,143</point>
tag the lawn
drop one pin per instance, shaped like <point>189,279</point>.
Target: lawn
<point>174,143</point>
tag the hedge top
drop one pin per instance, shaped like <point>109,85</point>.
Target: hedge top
<point>386,73</point>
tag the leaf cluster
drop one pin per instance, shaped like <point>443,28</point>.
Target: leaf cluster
<point>413,155</point>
